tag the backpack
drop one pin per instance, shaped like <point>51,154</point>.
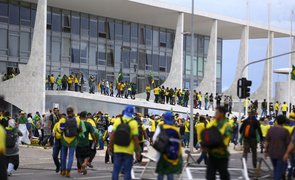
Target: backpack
<point>162,141</point>
<point>71,127</point>
<point>212,138</point>
<point>123,134</point>
<point>11,138</point>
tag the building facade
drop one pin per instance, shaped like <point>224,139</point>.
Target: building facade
<point>99,46</point>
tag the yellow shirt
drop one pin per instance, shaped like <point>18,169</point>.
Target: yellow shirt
<point>187,126</point>
<point>133,132</point>
<point>277,106</point>
<point>157,91</point>
<point>56,130</point>
<point>52,79</point>
<point>289,128</point>
<point>69,139</point>
<point>292,116</point>
<point>91,121</point>
<point>2,140</point>
<point>246,103</point>
<point>284,107</point>
<point>122,87</point>
<point>144,129</point>
<point>200,128</point>
<point>148,89</point>
<point>153,125</point>
<point>199,97</point>
<point>264,129</point>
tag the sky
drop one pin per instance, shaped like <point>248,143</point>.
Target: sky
<point>280,13</point>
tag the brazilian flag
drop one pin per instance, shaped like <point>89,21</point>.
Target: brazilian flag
<point>120,76</point>
<point>293,73</point>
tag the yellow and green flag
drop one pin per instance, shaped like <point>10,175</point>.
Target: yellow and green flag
<point>293,73</point>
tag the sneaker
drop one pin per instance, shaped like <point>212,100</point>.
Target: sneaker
<point>90,165</point>
<point>68,174</point>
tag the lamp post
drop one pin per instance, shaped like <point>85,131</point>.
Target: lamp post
<point>192,81</point>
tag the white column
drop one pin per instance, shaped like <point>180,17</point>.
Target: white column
<point>269,68</point>
<point>242,61</point>
<point>175,77</point>
<point>208,83</point>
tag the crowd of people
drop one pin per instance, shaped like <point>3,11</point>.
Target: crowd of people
<point>125,136</point>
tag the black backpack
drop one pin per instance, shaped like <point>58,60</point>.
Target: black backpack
<point>123,134</point>
<point>212,138</point>
<point>11,138</point>
<point>71,127</point>
<point>162,141</point>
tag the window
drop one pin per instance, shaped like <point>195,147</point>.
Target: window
<point>162,62</point>
<point>155,37</point>
<point>3,12</point>
<point>75,52</point>
<point>218,70</point>
<point>219,49</point>
<point>3,42</point>
<point>188,44</point>
<point>92,53</point>
<point>66,21</point>
<point>84,25</point>
<point>101,55</point>
<point>149,62</point>
<point>200,66</point>
<point>195,66</point>
<point>188,65</point>
<point>118,50</point>
<point>169,60</point>
<point>66,46</point>
<point>141,35</point>
<point>25,43</point>
<point>110,29</point>
<point>56,21</point>
<point>110,56</point>
<point>55,49</point>
<point>101,28</point>
<point>170,40</point>
<point>118,30</point>
<point>13,44</point>
<point>133,56</point>
<point>163,39</point>
<point>126,32</point>
<point>134,34</point>
<point>93,27</point>
<point>13,14</point>
<point>155,61</point>
<point>142,59</point>
<point>83,52</point>
<point>149,36</point>
<point>25,15</point>
<point>75,26</point>
<point>126,57</point>
<point>49,24</point>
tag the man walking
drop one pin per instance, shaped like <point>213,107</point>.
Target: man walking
<point>248,130</point>
<point>264,108</point>
<point>124,140</point>
<point>148,92</point>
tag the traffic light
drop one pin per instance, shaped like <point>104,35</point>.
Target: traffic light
<point>243,89</point>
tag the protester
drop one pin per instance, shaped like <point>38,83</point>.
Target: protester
<point>57,145</point>
<point>123,144</point>
<point>169,161</point>
<point>3,164</point>
<point>277,140</point>
<point>22,125</point>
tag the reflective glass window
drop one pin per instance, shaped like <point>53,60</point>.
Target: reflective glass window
<point>102,27</point>
<point>56,44</point>
<point>3,12</point>
<point>75,52</point>
<point>149,36</point>
<point>25,15</point>
<point>56,21</point>
<point>101,54</point>
<point>66,21</point>
<point>66,46</point>
<point>13,44</point>
<point>75,23</point>
<point>126,32</point>
<point>134,33</point>
<point>142,59</point>
<point>92,53</point>
<point>170,40</point>
<point>162,62</point>
<point>169,60</point>
<point>110,29</point>
<point>218,70</point>
<point>118,50</point>
<point>219,49</point>
<point>188,43</point>
<point>13,14</point>
<point>141,34</point>
<point>49,18</point>
<point>110,56</point>
<point>200,66</point>
<point>195,66</point>
<point>156,61</point>
<point>133,56</point>
<point>188,65</point>
<point>163,39</point>
<point>25,42</point>
<point>83,52</point>
<point>84,25</point>
<point>155,37</point>
<point>148,57</point>
<point>118,30</point>
<point>3,37</point>
<point>93,27</point>
<point>126,57</point>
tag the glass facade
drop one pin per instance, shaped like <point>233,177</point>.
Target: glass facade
<point>99,46</point>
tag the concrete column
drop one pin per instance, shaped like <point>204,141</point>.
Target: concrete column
<point>265,89</point>
<point>175,77</point>
<point>242,61</point>
<point>27,90</point>
<point>208,83</point>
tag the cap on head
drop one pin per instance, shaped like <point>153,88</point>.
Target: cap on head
<point>129,110</point>
<point>168,118</point>
<point>22,112</point>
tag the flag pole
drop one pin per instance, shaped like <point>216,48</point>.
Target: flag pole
<point>290,62</point>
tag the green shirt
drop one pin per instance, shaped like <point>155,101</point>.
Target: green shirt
<point>22,120</point>
<point>83,141</point>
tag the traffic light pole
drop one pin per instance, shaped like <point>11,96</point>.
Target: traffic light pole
<point>255,62</point>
